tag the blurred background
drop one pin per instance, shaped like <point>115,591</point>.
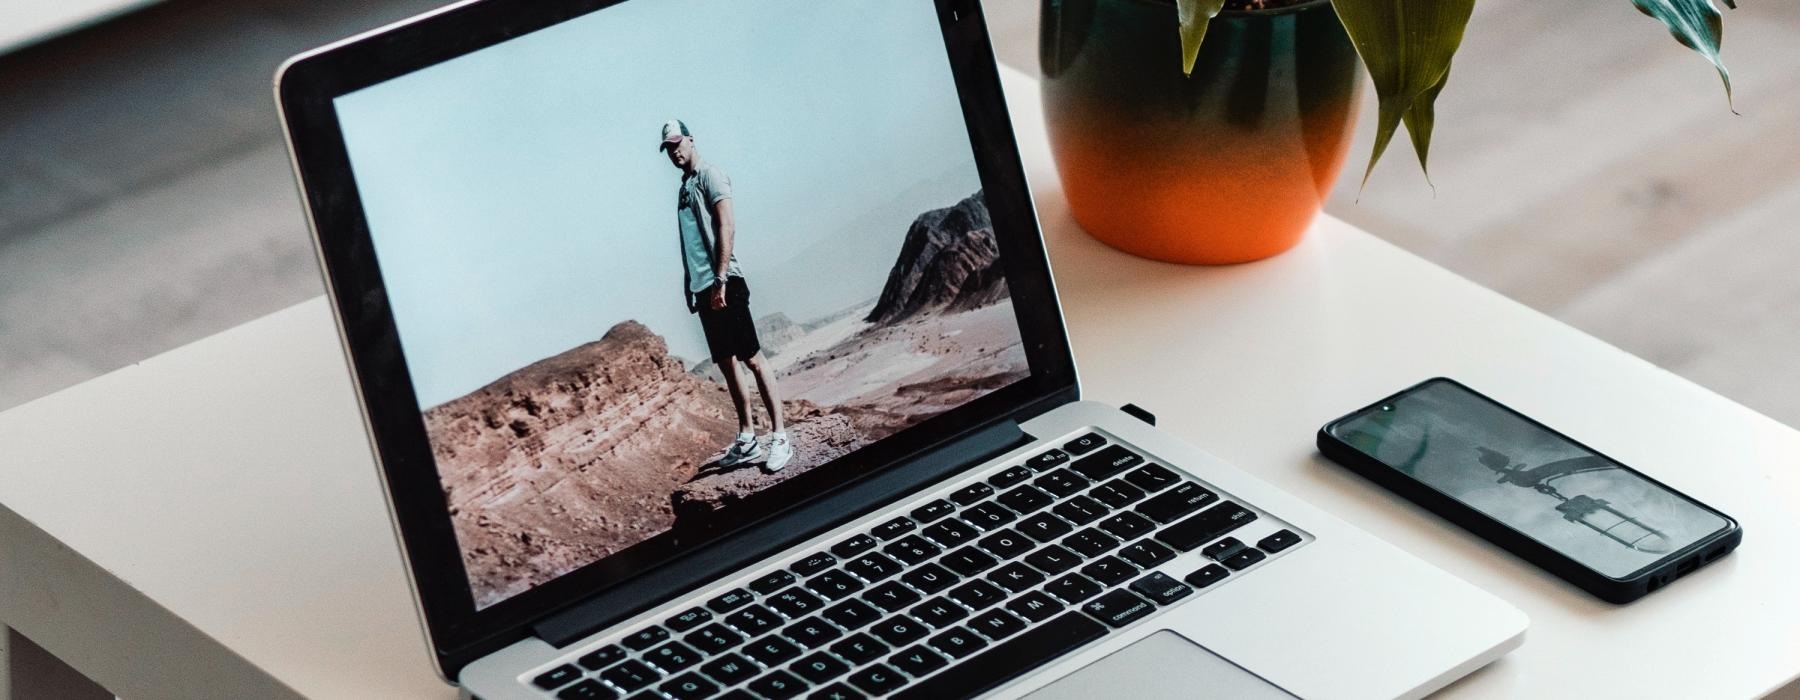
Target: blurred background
<point>1585,163</point>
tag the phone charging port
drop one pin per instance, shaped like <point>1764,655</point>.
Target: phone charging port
<point>1685,567</point>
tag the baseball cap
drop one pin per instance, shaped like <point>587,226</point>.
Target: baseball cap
<point>672,133</point>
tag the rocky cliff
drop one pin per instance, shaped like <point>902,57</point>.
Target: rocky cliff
<point>950,261</point>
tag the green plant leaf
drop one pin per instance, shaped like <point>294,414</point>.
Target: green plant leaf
<point>1407,46</point>
<point>1698,25</point>
<point>1195,15</point>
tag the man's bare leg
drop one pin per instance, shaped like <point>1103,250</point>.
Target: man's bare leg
<point>734,383</point>
<point>771,394</point>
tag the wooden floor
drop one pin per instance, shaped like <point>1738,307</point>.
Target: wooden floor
<point>1585,164</point>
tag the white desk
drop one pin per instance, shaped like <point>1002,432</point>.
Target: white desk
<point>223,523</point>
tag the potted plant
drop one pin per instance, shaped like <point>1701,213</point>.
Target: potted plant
<point>1211,131</point>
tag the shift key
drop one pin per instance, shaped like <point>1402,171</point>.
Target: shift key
<point>1209,525</point>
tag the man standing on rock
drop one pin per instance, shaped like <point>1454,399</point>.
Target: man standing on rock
<point>716,292</point>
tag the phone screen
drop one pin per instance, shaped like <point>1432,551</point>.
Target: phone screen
<point>1590,508</point>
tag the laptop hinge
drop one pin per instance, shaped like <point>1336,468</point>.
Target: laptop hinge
<point>776,533</point>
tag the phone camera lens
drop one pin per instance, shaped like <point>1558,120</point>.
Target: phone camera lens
<point>1387,408</point>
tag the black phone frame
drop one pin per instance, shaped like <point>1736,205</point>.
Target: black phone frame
<point>1613,590</point>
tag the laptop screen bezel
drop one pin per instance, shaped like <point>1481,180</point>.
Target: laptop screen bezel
<point>306,89</point>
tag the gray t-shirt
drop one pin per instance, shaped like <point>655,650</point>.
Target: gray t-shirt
<point>699,225</point>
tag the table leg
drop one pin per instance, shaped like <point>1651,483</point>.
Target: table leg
<point>27,671</point>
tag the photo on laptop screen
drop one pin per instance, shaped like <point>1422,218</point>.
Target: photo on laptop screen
<point>612,245</point>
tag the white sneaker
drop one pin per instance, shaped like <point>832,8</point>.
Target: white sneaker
<point>743,449</point>
<point>780,452</point>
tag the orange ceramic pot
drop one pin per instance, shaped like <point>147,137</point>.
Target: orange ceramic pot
<point>1227,166</point>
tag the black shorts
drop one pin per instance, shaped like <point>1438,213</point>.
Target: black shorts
<point>730,332</point>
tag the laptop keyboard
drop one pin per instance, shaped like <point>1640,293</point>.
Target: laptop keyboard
<point>961,595</point>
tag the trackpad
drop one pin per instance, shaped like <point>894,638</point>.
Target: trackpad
<point>1162,665</point>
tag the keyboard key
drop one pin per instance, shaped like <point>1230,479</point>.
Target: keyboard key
<point>879,679</point>
<point>753,620</point>
<point>1109,570</point>
<point>1206,576</point>
<point>672,657</point>
<point>1090,542</point>
<point>918,660</point>
<point>813,563</point>
<point>776,580</point>
<point>1212,524</point>
<point>849,548</point>
<point>894,528</point>
<point>1127,525</point>
<point>852,614</point>
<point>977,594</point>
<point>1176,502</point>
<point>1222,548</point>
<point>688,686</point>
<point>1119,608</point>
<point>778,685</point>
<point>939,612</point>
<point>933,510</point>
<point>1007,544</point>
<point>795,602</point>
<point>819,667</point>
<point>771,650</point>
<point>859,648</point>
<point>1044,527</point>
<point>811,633</point>
<point>891,596</point>
<point>602,657</point>
<point>988,516</point>
<point>1161,588</point>
<point>589,689</point>
<point>645,638</point>
<point>1244,558</point>
<point>957,642</point>
<point>1117,493</point>
<point>834,584</point>
<point>735,694</point>
<point>1025,499</point>
<point>1009,477</point>
<point>1053,559</point>
<point>1081,510</point>
<point>1146,553</point>
<point>836,691</point>
<point>1278,541</point>
<point>913,549</point>
<point>730,600</point>
<point>557,677</point>
<point>1107,462</point>
<point>1084,444</point>
<point>996,624</point>
<point>1035,606</point>
<point>1152,478</point>
<point>898,630</point>
<point>688,619</point>
<point>730,669</point>
<point>951,533</point>
<point>968,561</point>
<point>873,567</point>
<point>713,639</point>
<point>1009,659</point>
<point>1062,482</point>
<point>1016,577</point>
<point>1073,588</point>
<point>972,493</point>
<point>1047,460</point>
<point>631,676</point>
<point>930,578</point>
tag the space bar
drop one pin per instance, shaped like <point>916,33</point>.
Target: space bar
<point>1009,659</point>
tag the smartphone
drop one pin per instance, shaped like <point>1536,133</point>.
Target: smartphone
<point>1554,502</point>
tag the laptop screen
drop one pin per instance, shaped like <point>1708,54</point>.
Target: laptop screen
<point>652,261</point>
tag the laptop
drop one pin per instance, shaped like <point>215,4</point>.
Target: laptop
<point>709,348</point>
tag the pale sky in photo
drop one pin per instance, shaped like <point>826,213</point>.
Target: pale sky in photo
<point>520,206</point>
